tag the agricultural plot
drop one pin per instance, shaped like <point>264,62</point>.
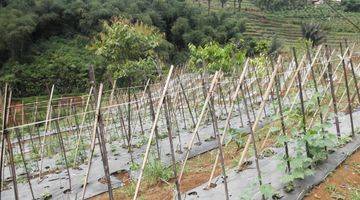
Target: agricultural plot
<point>286,24</point>
<point>284,116</point>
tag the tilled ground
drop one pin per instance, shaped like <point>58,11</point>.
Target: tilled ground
<point>343,183</point>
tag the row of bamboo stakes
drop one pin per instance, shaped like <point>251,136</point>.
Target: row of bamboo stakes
<point>283,86</point>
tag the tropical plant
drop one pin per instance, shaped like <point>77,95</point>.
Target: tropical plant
<point>313,33</point>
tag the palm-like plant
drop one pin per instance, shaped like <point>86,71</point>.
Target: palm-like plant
<point>313,33</point>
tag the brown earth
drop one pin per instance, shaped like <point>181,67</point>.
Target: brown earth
<point>342,184</point>
<point>197,172</point>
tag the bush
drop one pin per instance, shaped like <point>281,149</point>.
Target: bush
<point>212,57</point>
<point>351,5</point>
<point>156,171</point>
<point>59,61</point>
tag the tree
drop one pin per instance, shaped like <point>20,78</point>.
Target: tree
<point>130,50</point>
<point>275,5</point>
<point>15,31</point>
<point>209,5</point>
<point>313,32</point>
<point>59,61</point>
<point>351,5</point>
<point>239,4</point>
<point>223,2</point>
<point>212,57</point>
<point>180,27</point>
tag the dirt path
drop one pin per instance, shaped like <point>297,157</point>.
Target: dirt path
<point>342,184</point>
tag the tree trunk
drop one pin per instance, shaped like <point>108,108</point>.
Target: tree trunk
<point>209,3</point>
<point>239,6</point>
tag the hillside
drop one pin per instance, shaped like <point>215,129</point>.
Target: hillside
<point>286,25</point>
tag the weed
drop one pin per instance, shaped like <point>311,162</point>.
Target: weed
<point>134,166</point>
<point>129,190</point>
<point>355,194</point>
<point>113,148</point>
<point>330,188</point>
<point>155,171</point>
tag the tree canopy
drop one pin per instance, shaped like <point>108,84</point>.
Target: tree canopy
<point>130,49</point>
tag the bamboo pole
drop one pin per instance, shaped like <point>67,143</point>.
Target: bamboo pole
<point>330,74</point>
<point>82,126</point>
<point>3,132</point>
<point>253,138</point>
<point>152,132</point>
<point>48,111</point>
<point>232,103</point>
<point>190,143</point>
<point>348,94</point>
<point>169,131</point>
<point>259,114</point>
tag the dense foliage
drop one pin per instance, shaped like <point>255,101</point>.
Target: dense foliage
<point>313,33</point>
<point>130,50</point>
<point>56,61</point>
<point>212,57</point>
<point>280,4</point>
<point>26,25</point>
<point>351,5</point>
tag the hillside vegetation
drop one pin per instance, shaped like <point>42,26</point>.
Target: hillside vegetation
<point>45,42</point>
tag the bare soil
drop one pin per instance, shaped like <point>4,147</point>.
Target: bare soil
<point>343,183</point>
<point>197,172</point>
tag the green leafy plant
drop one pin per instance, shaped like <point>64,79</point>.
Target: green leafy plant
<point>269,192</point>
<point>129,48</point>
<point>319,141</point>
<point>236,136</point>
<point>212,57</point>
<point>130,189</point>
<point>156,171</point>
<point>134,166</point>
<point>355,194</point>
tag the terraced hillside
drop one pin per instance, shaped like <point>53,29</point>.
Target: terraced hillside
<point>286,25</point>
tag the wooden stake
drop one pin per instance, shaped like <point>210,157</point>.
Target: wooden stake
<point>329,66</point>
<point>153,115</point>
<point>190,143</point>
<point>6,136</point>
<point>253,139</point>
<point>353,73</point>
<point>232,105</point>
<point>97,124</point>
<point>45,131</point>
<point>173,160</point>
<point>152,132</point>
<point>348,93</point>
<point>62,146</point>
<point>18,136</point>
<point>302,103</point>
<point>79,139</point>
<point>283,128</point>
<point>260,112</point>
<point>212,112</point>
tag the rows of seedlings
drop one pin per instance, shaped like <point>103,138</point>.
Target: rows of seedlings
<point>308,105</point>
<point>79,146</point>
